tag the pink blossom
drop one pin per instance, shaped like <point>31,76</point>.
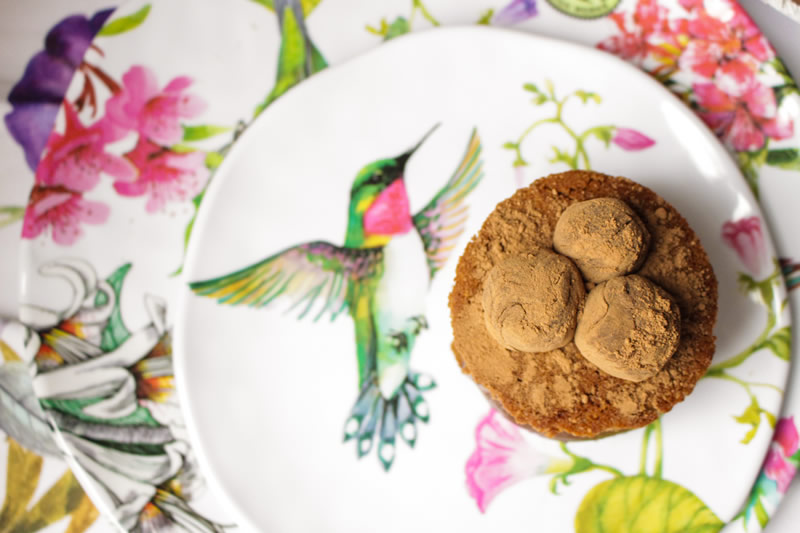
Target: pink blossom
<point>778,469</point>
<point>63,210</point>
<point>153,112</point>
<point>164,175</point>
<point>647,33</point>
<point>779,465</point>
<point>501,458</point>
<point>714,42</point>
<point>741,109</point>
<point>76,158</point>
<point>747,239</point>
<point>631,140</point>
<point>786,436</point>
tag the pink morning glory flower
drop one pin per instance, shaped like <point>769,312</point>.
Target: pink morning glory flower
<point>502,457</point>
<point>747,239</point>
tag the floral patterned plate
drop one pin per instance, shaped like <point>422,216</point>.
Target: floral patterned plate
<point>154,106</point>
<point>349,196</point>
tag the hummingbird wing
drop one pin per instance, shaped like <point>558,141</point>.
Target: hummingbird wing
<point>441,221</point>
<point>302,274</point>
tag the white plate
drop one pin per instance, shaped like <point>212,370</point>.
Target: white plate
<point>267,395</point>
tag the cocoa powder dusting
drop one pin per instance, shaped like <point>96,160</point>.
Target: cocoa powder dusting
<point>560,393</point>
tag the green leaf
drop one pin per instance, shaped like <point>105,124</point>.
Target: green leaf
<point>22,477</point>
<point>562,157</point>
<point>308,6</point>
<point>127,23</point>
<point>641,504</point>
<point>780,343</point>
<point>266,3</point>
<point>486,18</point>
<point>510,145</point>
<point>783,91</point>
<point>540,99</point>
<point>604,133</point>
<point>399,27</point>
<point>752,417</point>
<point>292,65</point>
<point>21,416</point>
<point>115,332</point>
<point>761,513</point>
<point>785,158</point>
<point>532,88</point>
<point>550,89</point>
<point>198,133</point>
<point>213,160</point>
<point>64,497</point>
<point>10,214</point>
<point>83,516</point>
<point>586,96</point>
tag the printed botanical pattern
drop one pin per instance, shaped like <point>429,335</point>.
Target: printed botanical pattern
<point>514,12</point>
<point>380,276</point>
<point>762,281</point>
<point>780,467</point>
<point>30,446</point>
<point>639,502</point>
<point>576,157</point>
<point>713,55</point>
<point>110,392</point>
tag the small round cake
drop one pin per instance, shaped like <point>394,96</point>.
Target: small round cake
<point>645,327</point>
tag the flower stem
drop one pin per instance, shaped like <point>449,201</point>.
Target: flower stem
<point>652,429</point>
<point>10,214</point>
<point>747,352</point>
<point>590,464</point>
<point>425,13</point>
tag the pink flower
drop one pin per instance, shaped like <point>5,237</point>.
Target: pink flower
<point>714,42</point>
<point>647,33</point>
<point>164,175</point>
<point>747,239</point>
<point>501,458</point>
<point>786,436</point>
<point>784,445</point>
<point>740,109</point>
<point>63,210</point>
<point>76,158</point>
<point>154,113</point>
<point>631,140</point>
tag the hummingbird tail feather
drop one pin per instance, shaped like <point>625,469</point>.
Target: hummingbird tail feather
<point>373,415</point>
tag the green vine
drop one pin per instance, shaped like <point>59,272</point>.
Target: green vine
<point>778,341</point>
<point>579,157</point>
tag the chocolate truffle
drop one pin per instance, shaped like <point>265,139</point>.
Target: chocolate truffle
<point>604,237</point>
<point>531,303</point>
<point>630,328</point>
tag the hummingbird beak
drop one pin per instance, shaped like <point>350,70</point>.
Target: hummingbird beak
<point>403,159</point>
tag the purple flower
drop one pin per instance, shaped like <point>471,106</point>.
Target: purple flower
<point>36,97</point>
<point>631,140</point>
<point>515,12</point>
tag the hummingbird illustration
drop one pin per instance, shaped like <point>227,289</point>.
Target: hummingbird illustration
<point>380,276</point>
